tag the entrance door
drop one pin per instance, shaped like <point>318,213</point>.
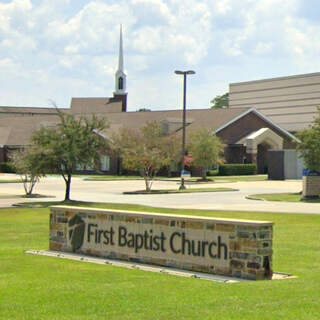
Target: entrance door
<point>262,158</point>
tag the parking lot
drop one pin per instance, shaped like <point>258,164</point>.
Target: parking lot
<point>112,191</point>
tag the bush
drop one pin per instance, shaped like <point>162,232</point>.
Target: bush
<point>237,169</point>
<point>7,167</point>
<point>212,173</point>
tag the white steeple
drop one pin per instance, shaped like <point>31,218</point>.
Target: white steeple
<point>120,76</point>
<point>120,66</point>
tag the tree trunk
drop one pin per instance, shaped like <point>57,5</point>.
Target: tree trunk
<point>68,185</point>
<point>204,174</point>
<point>147,183</point>
<point>145,175</point>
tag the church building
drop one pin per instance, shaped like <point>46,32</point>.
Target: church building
<point>247,133</point>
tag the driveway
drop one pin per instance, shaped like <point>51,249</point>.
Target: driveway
<point>111,191</point>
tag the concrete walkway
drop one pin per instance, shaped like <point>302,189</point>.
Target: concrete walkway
<point>111,191</point>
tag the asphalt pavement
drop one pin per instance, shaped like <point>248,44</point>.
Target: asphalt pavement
<point>112,192</point>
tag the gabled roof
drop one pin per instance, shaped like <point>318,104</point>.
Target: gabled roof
<point>260,115</point>
<point>196,118</point>
<point>17,131</point>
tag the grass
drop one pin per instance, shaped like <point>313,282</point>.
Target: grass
<point>33,287</point>
<point>284,197</point>
<point>240,178</point>
<point>10,196</point>
<point>110,178</point>
<point>193,190</point>
<point>17,196</point>
<point>10,181</point>
<point>193,179</point>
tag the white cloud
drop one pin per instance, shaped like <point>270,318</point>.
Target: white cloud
<point>223,6</point>
<point>263,48</point>
<point>92,29</point>
<point>66,48</point>
<point>154,11</point>
<point>302,43</point>
<point>15,26</point>
<point>179,32</point>
<point>14,16</point>
<point>148,39</point>
<point>7,65</point>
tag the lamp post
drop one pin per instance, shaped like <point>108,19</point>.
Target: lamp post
<point>184,73</point>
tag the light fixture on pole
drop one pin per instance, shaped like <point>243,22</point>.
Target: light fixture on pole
<point>184,73</point>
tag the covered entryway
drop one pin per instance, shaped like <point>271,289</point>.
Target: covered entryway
<point>257,145</point>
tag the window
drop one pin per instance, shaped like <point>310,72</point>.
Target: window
<point>120,83</point>
<point>105,163</point>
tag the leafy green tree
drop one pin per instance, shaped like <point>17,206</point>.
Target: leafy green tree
<point>220,102</point>
<point>73,142</point>
<point>206,149</point>
<point>146,151</point>
<point>26,166</point>
<point>309,146</point>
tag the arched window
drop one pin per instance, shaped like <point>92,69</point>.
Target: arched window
<point>120,83</point>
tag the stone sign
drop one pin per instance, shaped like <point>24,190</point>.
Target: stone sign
<point>311,186</point>
<point>238,248</point>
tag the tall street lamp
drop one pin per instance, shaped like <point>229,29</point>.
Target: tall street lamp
<point>184,73</point>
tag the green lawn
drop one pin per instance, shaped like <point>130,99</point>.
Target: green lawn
<point>285,197</point>
<point>261,177</point>
<point>10,181</point>
<point>188,190</point>
<point>109,178</point>
<point>10,196</point>
<point>193,179</point>
<point>34,287</point>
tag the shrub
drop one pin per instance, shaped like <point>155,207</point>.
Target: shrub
<point>212,173</point>
<point>7,167</point>
<point>237,169</point>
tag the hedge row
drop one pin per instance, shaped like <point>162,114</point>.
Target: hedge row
<point>237,169</point>
<point>7,167</point>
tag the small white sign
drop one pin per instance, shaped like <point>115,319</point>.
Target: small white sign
<point>185,174</point>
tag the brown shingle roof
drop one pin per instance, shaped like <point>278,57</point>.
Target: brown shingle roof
<point>95,105</point>
<point>196,118</point>
<point>29,109</point>
<point>17,131</point>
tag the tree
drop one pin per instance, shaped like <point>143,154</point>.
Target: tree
<point>27,167</point>
<point>310,145</point>
<point>74,142</point>
<point>220,102</point>
<point>147,150</point>
<point>206,149</point>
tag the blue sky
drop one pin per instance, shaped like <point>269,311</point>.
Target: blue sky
<point>58,49</point>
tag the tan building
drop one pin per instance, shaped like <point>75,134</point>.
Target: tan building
<point>290,102</point>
